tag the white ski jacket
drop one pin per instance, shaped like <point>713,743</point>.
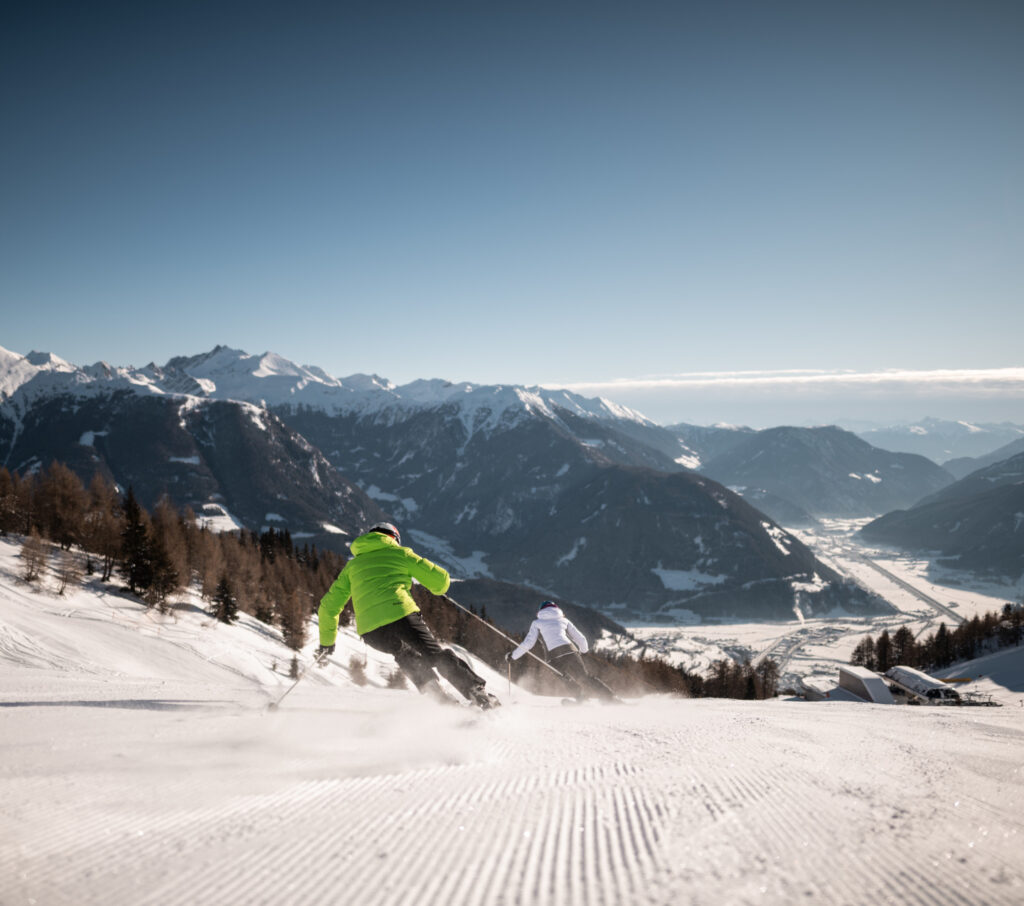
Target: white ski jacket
<point>556,628</point>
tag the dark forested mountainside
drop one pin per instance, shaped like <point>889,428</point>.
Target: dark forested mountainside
<point>710,441</point>
<point>975,524</point>
<point>209,455</point>
<point>826,472</point>
<point>529,501</point>
<point>964,466</point>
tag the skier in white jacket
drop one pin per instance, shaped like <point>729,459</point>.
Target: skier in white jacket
<point>564,644</point>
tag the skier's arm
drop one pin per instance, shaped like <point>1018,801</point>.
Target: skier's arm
<point>528,642</point>
<point>578,638</point>
<point>331,606</point>
<point>432,577</point>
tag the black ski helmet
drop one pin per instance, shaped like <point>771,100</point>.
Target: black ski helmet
<point>386,528</point>
<point>547,604</point>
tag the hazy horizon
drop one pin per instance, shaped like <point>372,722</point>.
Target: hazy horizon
<point>856,401</point>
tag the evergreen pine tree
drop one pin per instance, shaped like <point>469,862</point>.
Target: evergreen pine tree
<point>860,656</point>
<point>883,652</point>
<point>8,503</point>
<point>225,605</point>
<point>768,674</point>
<point>943,656</point>
<point>749,679</point>
<point>903,647</point>
<point>20,509</point>
<point>136,562</point>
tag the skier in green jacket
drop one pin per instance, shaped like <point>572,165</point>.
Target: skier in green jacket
<point>378,579</point>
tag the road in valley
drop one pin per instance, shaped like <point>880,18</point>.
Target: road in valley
<point>940,608</point>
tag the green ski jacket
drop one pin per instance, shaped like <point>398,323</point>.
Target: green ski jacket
<point>377,579</point>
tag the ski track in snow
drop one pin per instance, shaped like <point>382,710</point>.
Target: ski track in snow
<point>665,802</point>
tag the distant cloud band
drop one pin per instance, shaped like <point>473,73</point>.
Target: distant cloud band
<point>980,380</point>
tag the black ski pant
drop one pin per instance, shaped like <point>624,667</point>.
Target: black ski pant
<point>568,661</point>
<point>418,654</point>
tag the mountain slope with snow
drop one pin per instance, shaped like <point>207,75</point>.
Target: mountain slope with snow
<point>942,439</point>
<point>227,460</point>
<point>826,471</point>
<point>140,765</point>
<point>578,498</point>
<point>961,468</point>
<point>976,523</point>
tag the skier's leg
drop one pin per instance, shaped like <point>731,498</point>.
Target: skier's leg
<point>458,672</point>
<point>592,683</point>
<point>453,668</point>
<point>600,688</point>
<point>573,687</point>
<point>391,639</point>
<point>415,666</point>
<point>575,672</point>
<point>570,665</point>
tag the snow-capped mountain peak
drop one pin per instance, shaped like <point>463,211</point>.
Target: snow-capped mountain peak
<point>44,372</point>
<point>15,370</point>
<point>48,361</point>
<point>271,380</point>
<point>942,440</point>
<point>267,379</point>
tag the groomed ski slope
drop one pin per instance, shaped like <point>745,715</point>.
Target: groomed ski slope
<point>139,765</point>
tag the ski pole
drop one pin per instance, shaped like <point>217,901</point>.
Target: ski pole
<point>318,659</point>
<point>505,637</point>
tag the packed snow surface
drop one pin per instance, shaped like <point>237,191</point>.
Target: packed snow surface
<point>141,764</point>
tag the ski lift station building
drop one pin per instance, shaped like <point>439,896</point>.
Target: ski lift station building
<point>865,684</point>
<point>923,687</point>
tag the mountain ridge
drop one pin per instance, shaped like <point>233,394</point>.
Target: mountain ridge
<point>518,484</point>
<point>977,523</point>
<point>824,471</point>
<point>943,440</point>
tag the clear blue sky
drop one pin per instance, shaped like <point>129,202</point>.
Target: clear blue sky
<point>531,193</point>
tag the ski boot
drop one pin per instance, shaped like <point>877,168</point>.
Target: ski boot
<point>483,699</point>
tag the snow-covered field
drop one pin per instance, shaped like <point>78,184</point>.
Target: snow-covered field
<point>813,649</point>
<point>139,764</point>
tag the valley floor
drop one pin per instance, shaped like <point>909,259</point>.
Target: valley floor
<point>811,649</point>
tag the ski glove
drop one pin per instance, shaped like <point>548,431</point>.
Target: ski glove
<point>324,651</point>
